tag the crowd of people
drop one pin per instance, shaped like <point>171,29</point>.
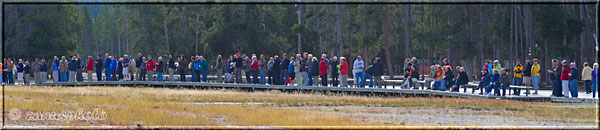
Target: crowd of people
<point>302,69</point>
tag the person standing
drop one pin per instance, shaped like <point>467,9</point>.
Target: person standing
<point>556,78</point>
<point>306,65</point>
<point>138,64</point>
<point>64,69</point>
<point>595,81</point>
<point>586,76</point>
<point>1,73</point>
<point>535,75</point>
<point>239,64</point>
<point>262,66</point>
<point>334,71</point>
<point>171,69</point>
<point>114,66</point>
<point>160,69</point>
<point>89,68</point>
<point>564,77</point>
<point>9,70</point>
<point>254,70</point>
<point>285,62</point>
<point>518,74</point>
<point>72,69</point>
<point>107,72</point>
<point>204,69</point>
<point>181,68</point>
<point>99,65</point>
<point>527,73</point>
<point>27,72</point>
<point>43,71</point>
<point>20,71</point>
<point>192,68</point>
<point>142,68</point>
<point>55,72</point>
<point>573,80</point>
<point>219,65</point>
<point>120,69</point>
<point>131,68</point>
<point>323,71</point>
<point>276,70</point>
<point>378,71</point>
<point>270,70</point>
<point>358,67</point>
<point>150,68</point>
<point>297,70</point>
<point>126,67</point>
<point>304,68</point>
<point>343,68</point>
<point>314,69</point>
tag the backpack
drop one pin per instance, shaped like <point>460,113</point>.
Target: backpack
<point>370,70</point>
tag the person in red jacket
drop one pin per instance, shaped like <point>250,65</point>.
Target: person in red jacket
<point>150,68</point>
<point>89,68</point>
<point>564,77</point>
<point>323,71</point>
<point>254,70</point>
<point>343,67</point>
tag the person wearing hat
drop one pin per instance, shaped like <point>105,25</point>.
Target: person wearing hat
<point>527,72</point>
<point>220,66</point>
<point>497,65</point>
<point>535,75</point>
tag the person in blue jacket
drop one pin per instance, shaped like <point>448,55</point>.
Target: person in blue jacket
<point>107,72</point>
<point>113,68</point>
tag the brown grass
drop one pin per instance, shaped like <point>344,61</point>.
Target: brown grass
<point>158,106</point>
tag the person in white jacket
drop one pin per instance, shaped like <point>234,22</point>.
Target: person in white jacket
<point>358,68</point>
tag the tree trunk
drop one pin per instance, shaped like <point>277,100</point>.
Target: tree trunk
<point>388,55</point>
<point>166,36</point>
<point>407,21</point>
<point>299,37</point>
<point>338,28</point>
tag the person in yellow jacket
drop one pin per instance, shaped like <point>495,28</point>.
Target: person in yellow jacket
<point>535,74</point>
<point>518,74</point>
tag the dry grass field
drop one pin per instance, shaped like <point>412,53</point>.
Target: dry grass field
<point>141,106</point>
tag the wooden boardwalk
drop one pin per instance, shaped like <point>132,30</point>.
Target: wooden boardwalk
<point>384,92</point>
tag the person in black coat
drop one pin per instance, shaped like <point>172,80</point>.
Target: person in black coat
<point>181,68</point>
<point>276,71</point>
<point>449,75</point>
<point>99,66</point>
<point>334,71</point>
<point>378,71</point>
